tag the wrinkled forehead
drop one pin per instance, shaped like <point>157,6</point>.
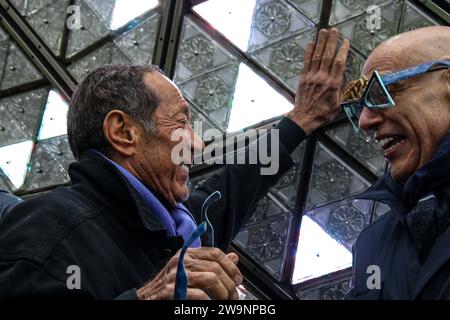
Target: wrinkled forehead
<point>394,54</point>
<point>381,63</point>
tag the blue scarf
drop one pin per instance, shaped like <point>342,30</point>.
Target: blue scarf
<point>178,221</point>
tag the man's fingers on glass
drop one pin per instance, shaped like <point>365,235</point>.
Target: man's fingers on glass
<point>308,58</point>
<point>337,70</point>
<point>330,50</point>
<point>319,48</point>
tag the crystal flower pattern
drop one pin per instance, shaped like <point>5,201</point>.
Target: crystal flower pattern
<point>272,19</point>
<point>212,94</point>
<point>346,223</point>
<point>287,60</point>
<point>197,53</point>
<point>265,244</point>
<point>331,180</point>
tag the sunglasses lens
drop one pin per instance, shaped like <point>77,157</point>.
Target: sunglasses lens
<point>353,112</point>
<point>375,94</point>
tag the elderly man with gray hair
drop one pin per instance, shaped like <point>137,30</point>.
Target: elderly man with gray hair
<point>116,232</point>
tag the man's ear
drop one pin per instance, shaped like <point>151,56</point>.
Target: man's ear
<point>121,132</point>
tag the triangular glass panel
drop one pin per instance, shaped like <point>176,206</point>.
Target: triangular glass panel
<point>332,179</point>
<point>235,97</point>
<point>266,243</point>
<point>92,29</point>
<point>268,206</point>
<point>14,161</point>
<point>213,93</point>
<point>138,44</point>
<point>318,253</point>
<point>222,15</point>
<point>49,164</point>
<point>54,120</point>
<point>104,8</point>
<point>310,8</point>
<point>365,35</point>
<point>413,18</point>
<point>125,11</point>
<point>49,23</point>
<point>284,59</point>
<point>254,100</point>
<point>344,220</point>
<point>99,18</point>
<point>362,148</point>
<point>106,54</point>
<point>346,9</point>
<point>261,22</point>
<point>20,115</point>
<point>198,53</point>
<point>18,69</point>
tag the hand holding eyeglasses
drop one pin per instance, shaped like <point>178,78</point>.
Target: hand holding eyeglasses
<point>212,274</point>
<point>317,101</point>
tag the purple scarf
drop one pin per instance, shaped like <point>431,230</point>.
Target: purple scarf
<point>178,221</point>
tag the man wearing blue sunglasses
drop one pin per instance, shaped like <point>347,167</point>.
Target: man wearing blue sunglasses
<point>403,102</point>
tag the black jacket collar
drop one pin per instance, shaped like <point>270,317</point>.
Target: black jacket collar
<point>433,175</point>
<point>102,182</point>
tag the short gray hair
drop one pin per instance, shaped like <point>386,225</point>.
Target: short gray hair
<point>111,87</point>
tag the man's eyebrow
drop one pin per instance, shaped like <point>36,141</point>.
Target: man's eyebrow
<point>186,110</point>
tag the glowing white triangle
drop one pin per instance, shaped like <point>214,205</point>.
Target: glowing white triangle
<point>252,106</point>
<point>318,253</point>
<point>54,120</point>
<point>14,161</point>
<point>223,16</point>
<point>126,10</point>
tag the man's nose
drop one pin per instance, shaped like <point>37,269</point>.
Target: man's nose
<point>197,144</point>
<point>369,119</point>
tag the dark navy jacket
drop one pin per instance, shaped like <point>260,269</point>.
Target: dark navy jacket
<point>388,242</point>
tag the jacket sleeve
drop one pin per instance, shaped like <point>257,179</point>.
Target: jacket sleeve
<point>7,202</point>
<point>242,185</point>
<point>24,278</point>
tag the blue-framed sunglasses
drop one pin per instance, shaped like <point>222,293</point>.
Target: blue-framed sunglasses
<point>375,94</point>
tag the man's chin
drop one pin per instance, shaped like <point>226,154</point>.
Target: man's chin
<point>182,196</point>
<point>399,172</point>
